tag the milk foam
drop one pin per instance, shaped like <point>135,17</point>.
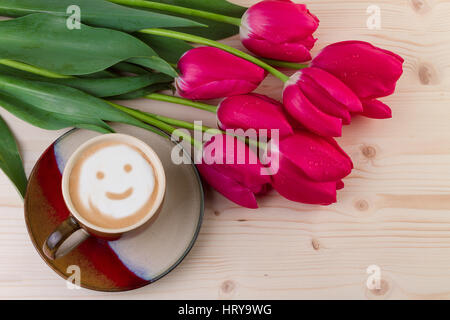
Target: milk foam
<point>116,181</point>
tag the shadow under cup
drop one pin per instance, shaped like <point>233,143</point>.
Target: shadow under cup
<point>77,228</point>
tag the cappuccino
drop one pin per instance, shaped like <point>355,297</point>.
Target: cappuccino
<point>113,185</point>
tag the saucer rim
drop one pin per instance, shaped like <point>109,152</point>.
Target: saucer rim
<point>123,289</point>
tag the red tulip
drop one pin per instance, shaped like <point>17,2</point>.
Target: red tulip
<point>311,168</point>
<point>231,168</point>
<point>376,109</point>
<point>280,30</point>
<point>319,101</point>
<point>210,73</point>
<point>369,71</point>
<point>253,111</point>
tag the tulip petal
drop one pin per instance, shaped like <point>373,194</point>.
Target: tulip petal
<point>319,98</point>
<point>315,156</point>
<point>235,159</point>
<point>206,69</point>
<point>228,187</point>
<point>294,186</point>
<point>215,89</point>
<point>334,144</point>
<point>253,111</point>
<point>302,110</point>
<point>276,103</point>
<point>288,51</point>
<point>331,89</point>
<point>279,30</point>
<point>232,173</point>
<point>369,71</point>
<point>376,109</point>
<point>280,21</point>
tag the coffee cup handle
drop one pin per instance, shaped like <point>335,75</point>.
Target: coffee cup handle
<point>57,244</point>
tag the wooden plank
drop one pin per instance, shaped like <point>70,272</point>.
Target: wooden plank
<point>393,213</point>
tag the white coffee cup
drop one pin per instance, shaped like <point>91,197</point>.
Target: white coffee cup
<point>77,228</point>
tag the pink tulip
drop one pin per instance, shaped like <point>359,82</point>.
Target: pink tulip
<point>320,102</point>
<point>311,168</point>
<point>376,109</point>
<point>238,181</point>
<point>369,71</point>
<point>210,73</point>
<point>280,30</point>
<point>253,111</point>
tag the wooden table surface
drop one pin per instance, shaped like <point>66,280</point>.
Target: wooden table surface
<point>394,212</point>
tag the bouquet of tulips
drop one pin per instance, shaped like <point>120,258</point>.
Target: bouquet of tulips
<point>62,61</point>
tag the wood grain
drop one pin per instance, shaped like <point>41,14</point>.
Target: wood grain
<point>394,211</point>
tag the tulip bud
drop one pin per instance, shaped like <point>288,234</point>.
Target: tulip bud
<point>376,109</point>
<point>319,101</point>
<point>370,72</point>
<point>253,111</point>
<point>311,168</point>
<point>232,168</point>
<point>210,73</point>
<point>280,30</point>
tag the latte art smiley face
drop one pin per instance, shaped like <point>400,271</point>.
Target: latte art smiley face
<point>116,180</point>
<point>113,185</point>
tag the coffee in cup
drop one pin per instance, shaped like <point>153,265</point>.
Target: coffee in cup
<point>112,184</point>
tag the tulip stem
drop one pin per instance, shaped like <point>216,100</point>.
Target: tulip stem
<point>163,123</point>
<point>285,64</point>
<point>144,116</point>
<point>186,102</point>
<point>185,124</point>
<point>212,43</point>
<point>32,69</point>
<point>193,126</point>
<point>157,121</point>
<point>160,122</point>
<point>180,10</point>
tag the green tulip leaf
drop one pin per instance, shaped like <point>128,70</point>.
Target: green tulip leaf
<point>46,119</point>
<point>100,13</point>
<point>99,75</point>
<point>170,50</point>
<point>215,30</point>
<point>217,6</point>
<point>155,64</point>
<point>10,160</point>
<point>53,106</point>
<point>43,40</point>
<point>145,91</point>
<point>109,87</point>
<point>99,87</point>
<point>129,68</point>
